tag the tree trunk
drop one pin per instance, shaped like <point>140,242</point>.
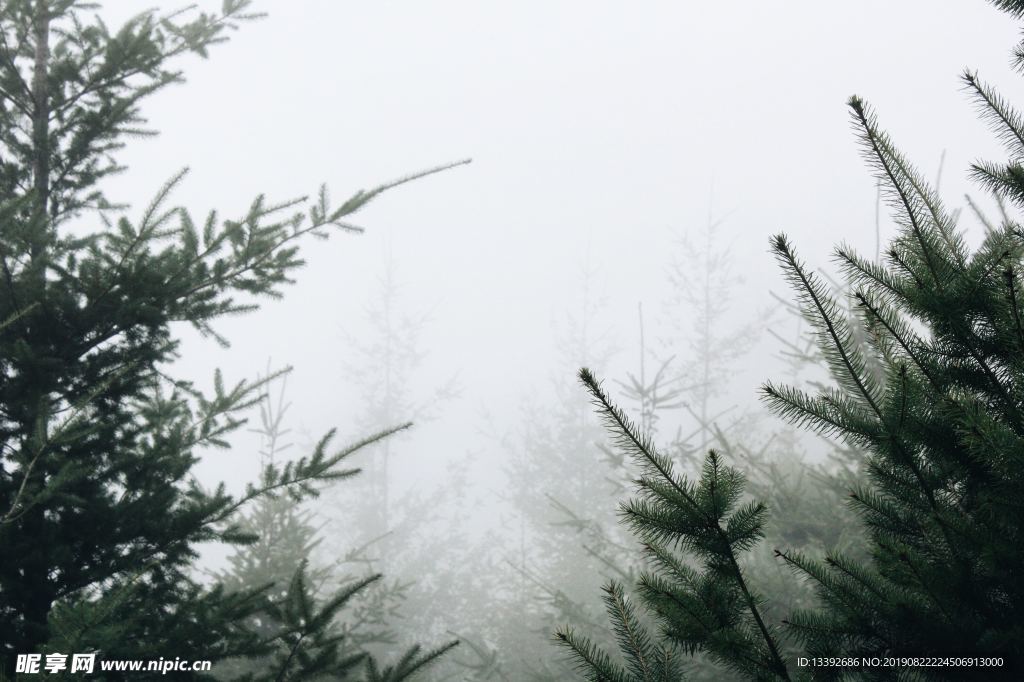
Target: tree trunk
<point>41,114</point>
<point>38,587</point>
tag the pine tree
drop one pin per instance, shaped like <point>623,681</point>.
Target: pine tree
<point>279,562</point>
<point>556,526</point>
<point>283,530</point>
<point>99,516</point>
<point>712,609</point>
<point>699,353</point>
<point>382,366</point>
<point>411,529</point>
<point>941,432</point>
<point>701,345</point>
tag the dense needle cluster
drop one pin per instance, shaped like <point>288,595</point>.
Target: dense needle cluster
<point>942,429</point>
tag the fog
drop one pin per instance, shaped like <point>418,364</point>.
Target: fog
<point>599,133</point>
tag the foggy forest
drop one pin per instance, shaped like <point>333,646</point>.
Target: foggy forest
<point>519,342</point>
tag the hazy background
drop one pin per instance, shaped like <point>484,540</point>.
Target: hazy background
<point>599,132</point>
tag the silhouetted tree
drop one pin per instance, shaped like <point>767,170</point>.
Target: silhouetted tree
<point>411,529</point>
<point>279,562</point>
<point>554,525</point>
<point>99,514</point>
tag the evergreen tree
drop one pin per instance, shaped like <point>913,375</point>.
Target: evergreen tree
<point>703,345</point>
<point>283,535</point>
<point>698,355</point>
<point>284,532</point>
<point>280,562</point>
<point>559,540</point>
<point>712,609</point>
<point>382,365</point>
<point>941,431</point>
<point>411,529</point>
<point>99,516</point>
<point>569,529</point>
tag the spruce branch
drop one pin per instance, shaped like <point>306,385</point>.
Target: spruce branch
<point>1010,277</point>
<point>821,311</point>
<point>413,661</point>
<point>1006,122</point>
<point>591,662</point>
<point>674,510</point>
<point>897,175</point>
<point>297,476</point>
<point>632,636</point>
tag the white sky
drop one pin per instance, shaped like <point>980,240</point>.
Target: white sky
<point>595,127</point>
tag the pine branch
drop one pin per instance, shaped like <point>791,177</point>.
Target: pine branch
<point>895,172</point>
<point>688,515</point>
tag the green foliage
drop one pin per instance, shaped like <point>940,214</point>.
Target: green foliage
<point>413,661</point>
<point>942,507</point>
<point>711,609</point>
<point>99,513</point>
<point>927,386</point>
<point>71,90</point>
<point>304,645</point>
<point>645,661</point>
<point>302,634</point>
<point>675,394</point>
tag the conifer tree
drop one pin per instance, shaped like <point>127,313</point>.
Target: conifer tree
<point>703,346</point>
<point>941,432</point>
<point>698,354</point>
<point>556,525</point>
<point>674,389</point>
<point>279,562</point>
<point>99,514</point>
<point>382,366</point>
<point>384,362</point>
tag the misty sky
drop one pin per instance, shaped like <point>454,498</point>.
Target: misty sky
<point>598,132</point>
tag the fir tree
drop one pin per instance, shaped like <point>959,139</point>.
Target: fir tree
<point>99,516</point>
<point>681,399</point>
<point>941,431</point>
<point>306,634</point>
<point>556,525</point>
<point>703,345</point>
<point>702,349</point>
<point>382,365</point>
<point>712,609</point>
<point>412,529</point>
